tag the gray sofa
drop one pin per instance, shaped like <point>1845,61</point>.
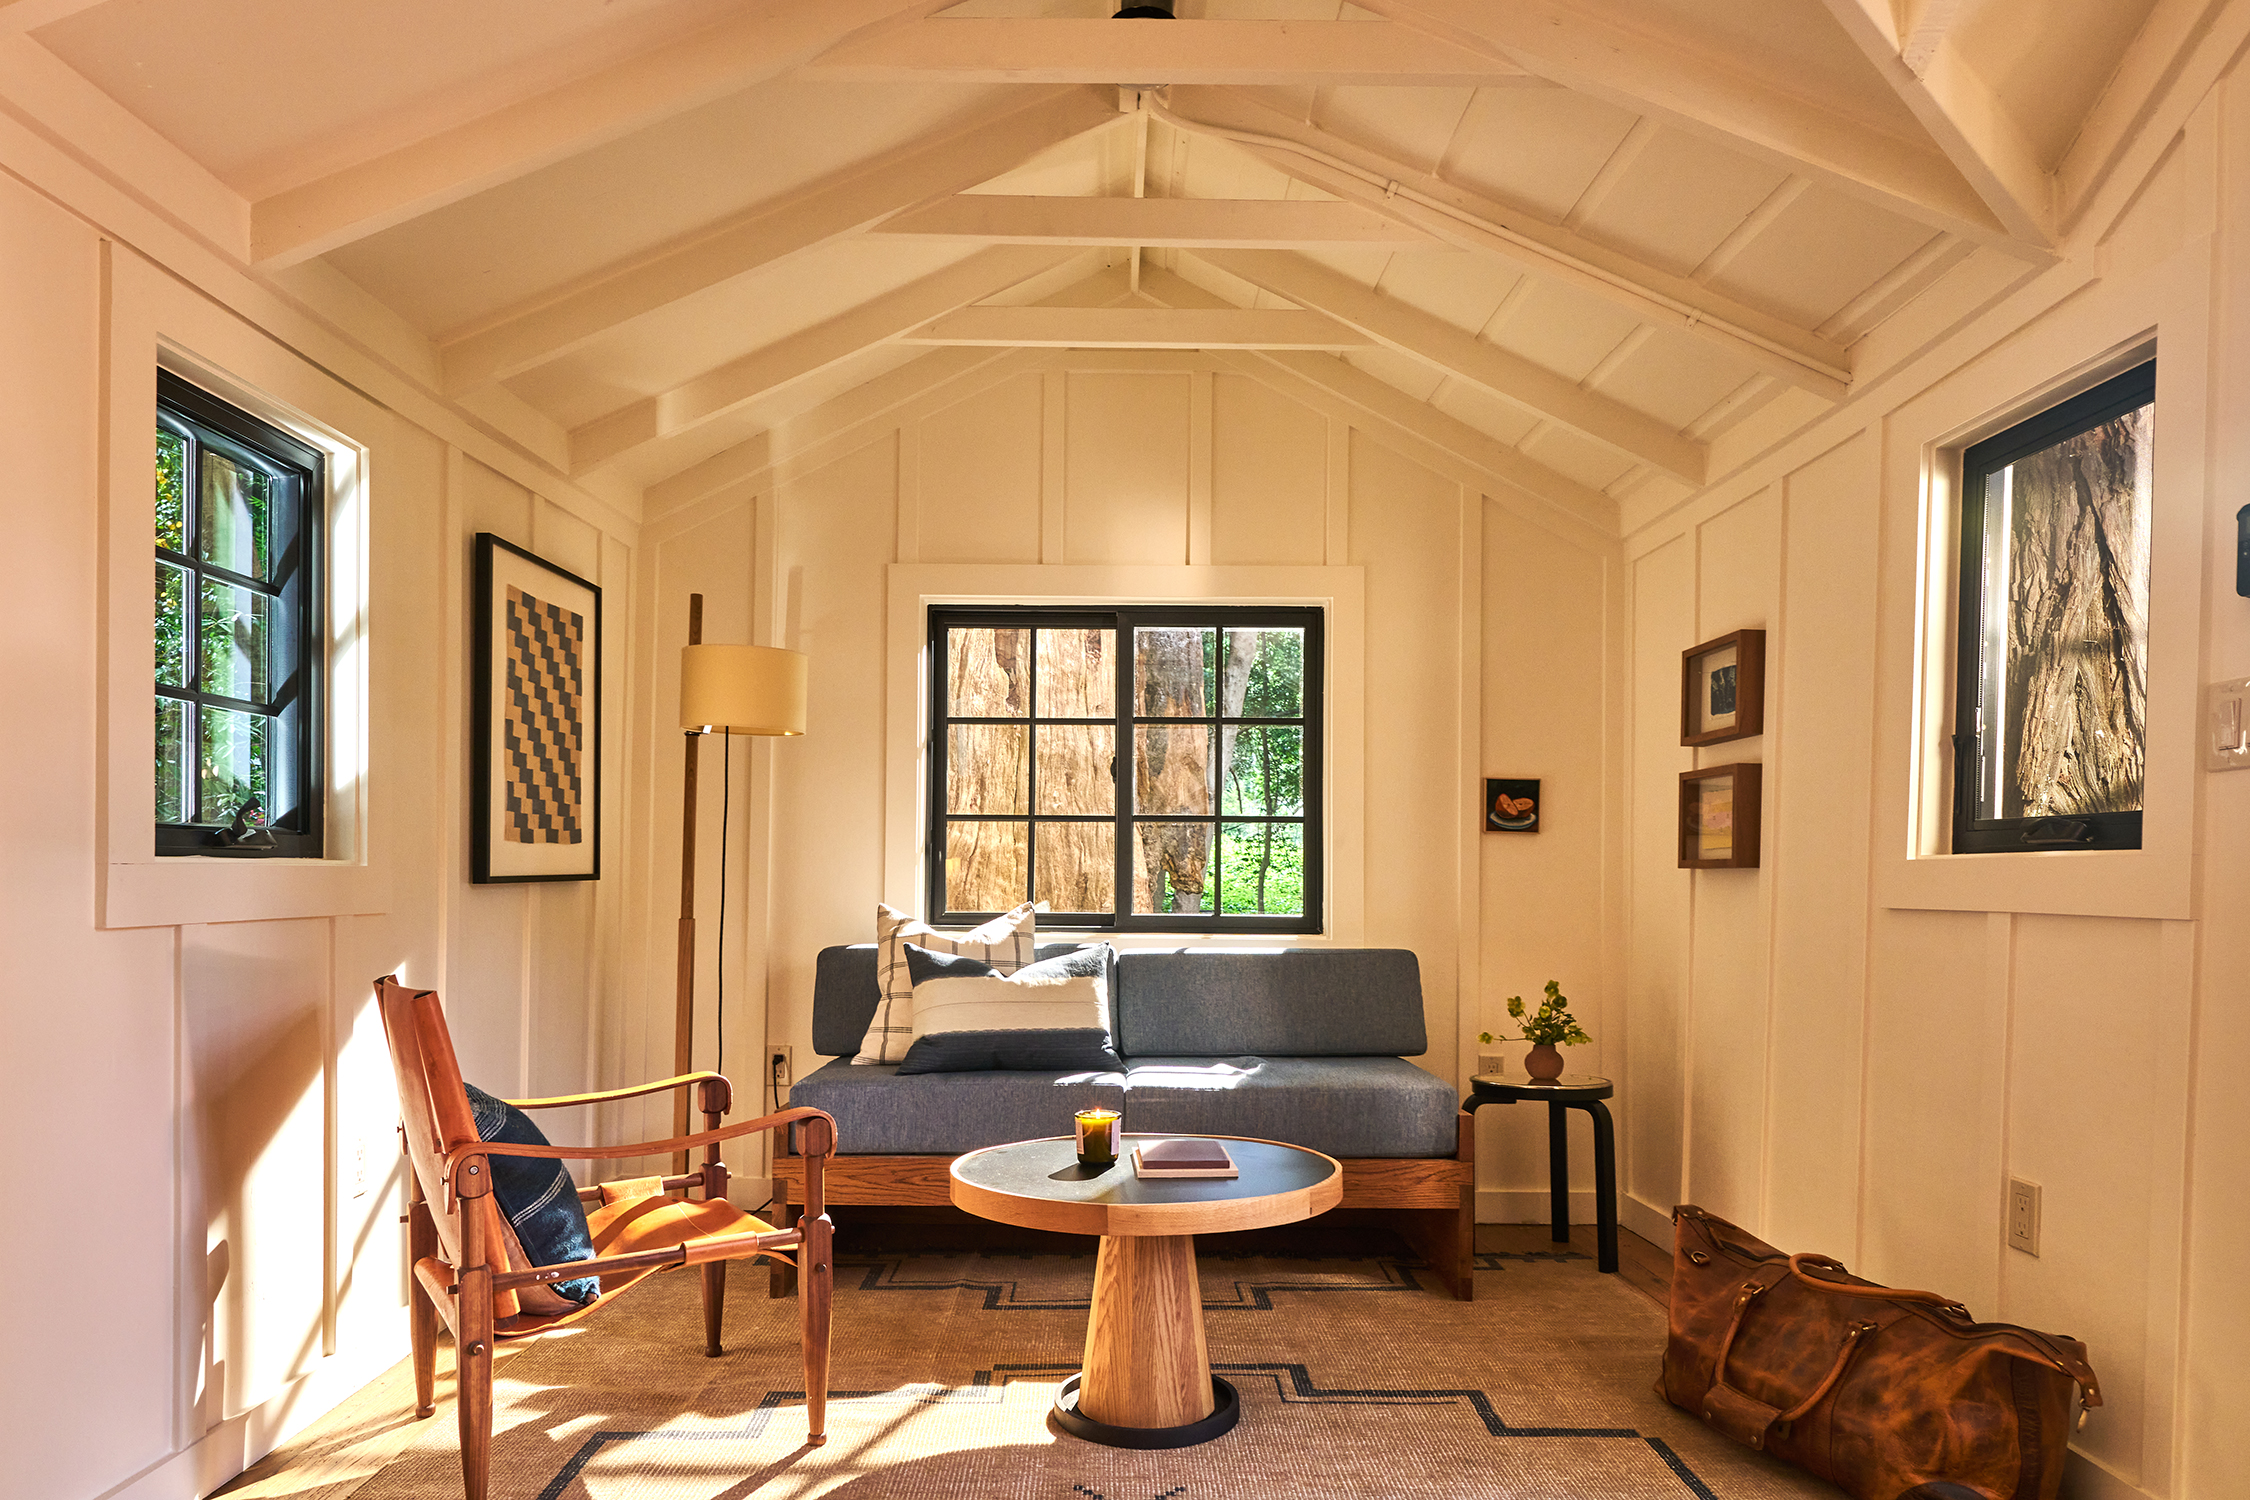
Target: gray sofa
<point>1306,1045</point>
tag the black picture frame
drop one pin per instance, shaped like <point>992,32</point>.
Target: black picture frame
<point>1502,817</point>
<point>550,828</point>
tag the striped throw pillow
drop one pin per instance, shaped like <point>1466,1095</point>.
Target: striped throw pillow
<point>1008,942</point>
<point>1050,1017</point>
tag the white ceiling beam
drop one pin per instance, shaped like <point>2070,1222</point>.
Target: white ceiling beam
<point>765,39</point>
<point>836,425</point>
<point>739,382</point>
<point>1136,328</point>
<point>1256,53</point>
<point>2172,50</point>
<point>1682,84</point>
<point>555,323</point>
<point>1458,217</point>
<point>30,15</point>
<point>1393,407</point>
<point>1925,24</point>
<point>1962,114</point>
<point>1461,354</point>
<point>1153,223</point>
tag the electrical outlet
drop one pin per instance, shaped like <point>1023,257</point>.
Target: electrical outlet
<point>359,1167</point>
<point>2023,1216</point>
<point>781,1067</point>
<point>1490,1064</point>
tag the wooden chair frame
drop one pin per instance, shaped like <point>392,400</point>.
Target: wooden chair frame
<point>460,1269</point>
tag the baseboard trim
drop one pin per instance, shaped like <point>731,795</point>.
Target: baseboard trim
<point>235,1444</point>
<point>1529,1206</point>
<point>2090,1479</point>
<point>1646,1219</point>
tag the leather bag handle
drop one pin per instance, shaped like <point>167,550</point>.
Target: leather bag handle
<point>1742,1416</point>
<point>2059,1360</point>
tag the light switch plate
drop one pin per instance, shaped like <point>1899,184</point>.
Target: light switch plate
<point>2023,1216</point>
<point>2226,725</point>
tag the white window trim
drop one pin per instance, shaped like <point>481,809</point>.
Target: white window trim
<point>1341,592</point>
<point>155,322</point>
<point>2162,312</point>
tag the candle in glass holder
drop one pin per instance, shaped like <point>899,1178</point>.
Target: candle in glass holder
<point>1097,1137</point>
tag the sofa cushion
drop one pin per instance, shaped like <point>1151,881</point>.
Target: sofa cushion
<point>1049,1016</point>
<point>879,1112</point>
<point>845,995</point>
<point>1345,1106</point>
<point>1297,1002</point>
<point>1008,942</point>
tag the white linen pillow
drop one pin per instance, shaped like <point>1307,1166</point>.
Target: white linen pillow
<point>1008,942</point>
<point>1049,1017</point>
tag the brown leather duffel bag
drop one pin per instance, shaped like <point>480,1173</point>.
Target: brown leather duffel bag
<point>1890,1395</point>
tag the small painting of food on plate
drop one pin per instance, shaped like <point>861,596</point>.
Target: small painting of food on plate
<point>1510,806</point>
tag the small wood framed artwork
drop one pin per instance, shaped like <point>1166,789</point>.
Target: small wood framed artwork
<point>1510,806</point>
<point>535,730</point>
<point>1723,689</point>
<point>1719,817</point>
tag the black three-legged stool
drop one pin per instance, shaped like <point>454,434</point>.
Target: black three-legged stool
<point>1567,1093</point>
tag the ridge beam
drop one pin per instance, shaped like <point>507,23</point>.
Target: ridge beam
<point>1137,328</point>
<point>1155,223</point>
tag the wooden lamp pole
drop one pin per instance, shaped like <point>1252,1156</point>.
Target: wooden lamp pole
<point>759,690</point>
<point>683,1018</point>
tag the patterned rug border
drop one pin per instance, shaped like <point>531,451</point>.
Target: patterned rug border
<point>1293,1386</point>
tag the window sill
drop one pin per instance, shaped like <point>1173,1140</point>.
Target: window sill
<point>194,888</point>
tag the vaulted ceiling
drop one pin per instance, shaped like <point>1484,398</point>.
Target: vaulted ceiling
<point>1579,240</point>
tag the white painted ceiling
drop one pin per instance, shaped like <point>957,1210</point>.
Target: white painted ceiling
<point>1622,226</point>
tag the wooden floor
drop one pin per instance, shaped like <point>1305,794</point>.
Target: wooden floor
<point>344,1449</point>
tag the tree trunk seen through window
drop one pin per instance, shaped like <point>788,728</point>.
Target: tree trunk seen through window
<point>2075,687</point>
<point>1172,772</point>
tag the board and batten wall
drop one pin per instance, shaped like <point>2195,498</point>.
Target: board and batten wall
<point>192,1075</point>
<point>1849,1050</point>
<point>1485,647</point>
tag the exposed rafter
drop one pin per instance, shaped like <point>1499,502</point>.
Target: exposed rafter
<point>1682,84</point>
<point>739,382</point>
<point>1136,328</point>
<point>765,39</point>
<point>1960,111</point>
<point>838,424</point>
<point>1367,394</point>
<point>991,50</point>
<point>1155,223</point>
<point>552,325</point>
<point>1463,355</point>
<point>1457,217</point>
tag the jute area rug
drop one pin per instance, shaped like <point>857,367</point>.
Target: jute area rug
<point>1356,1380</point>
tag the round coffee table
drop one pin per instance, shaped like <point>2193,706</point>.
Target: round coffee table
<point>1147,1382</point>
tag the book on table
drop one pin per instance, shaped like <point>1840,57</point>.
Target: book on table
<point>1183,1158</point>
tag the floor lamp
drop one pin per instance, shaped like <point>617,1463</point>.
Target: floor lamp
<point>723,690</point>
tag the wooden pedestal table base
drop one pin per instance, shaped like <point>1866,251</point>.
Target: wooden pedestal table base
<point>1147,1380</point>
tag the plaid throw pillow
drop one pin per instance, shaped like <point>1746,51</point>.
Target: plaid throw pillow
<point>1008,942</point>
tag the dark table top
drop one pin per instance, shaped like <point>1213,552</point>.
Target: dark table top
<point>1040,1184</point>
<point>1571,1088</point>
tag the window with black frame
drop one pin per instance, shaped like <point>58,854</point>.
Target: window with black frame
<point>238,663</point>
<point>1135,768</point>
<point>2052,707</point>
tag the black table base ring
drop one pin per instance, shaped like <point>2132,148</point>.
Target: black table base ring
<point>1225,1412</point>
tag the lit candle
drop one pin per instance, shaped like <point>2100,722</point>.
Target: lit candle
<point>1097,1137</point>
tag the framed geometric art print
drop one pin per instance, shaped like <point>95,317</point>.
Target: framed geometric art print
<point>536,722</point>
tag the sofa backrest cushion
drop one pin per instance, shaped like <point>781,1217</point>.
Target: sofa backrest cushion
<point>845,995</point>
<point>1296,1002</point>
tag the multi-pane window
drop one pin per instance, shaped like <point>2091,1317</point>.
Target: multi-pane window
<point>1151,769</point>
<point>2053,675</point>
<point>237,665</point>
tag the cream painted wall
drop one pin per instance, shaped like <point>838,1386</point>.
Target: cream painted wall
<point>1841,1049</point>
<point>1487,651</point>
<point>195,1101</point>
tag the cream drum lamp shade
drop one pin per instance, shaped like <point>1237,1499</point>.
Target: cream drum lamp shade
<point>742,689</point>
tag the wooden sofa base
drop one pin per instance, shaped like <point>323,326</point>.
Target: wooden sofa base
<point>1429,1201</point>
